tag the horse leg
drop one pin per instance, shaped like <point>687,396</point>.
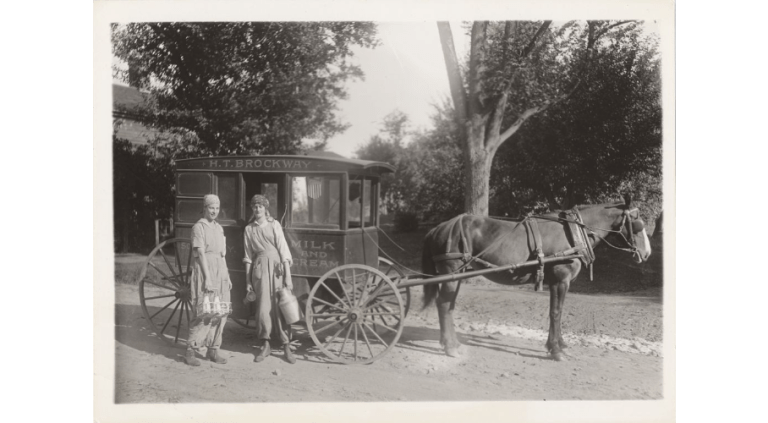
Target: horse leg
<point>555,343</point>
<point>553,340</point>
<point>445,302</point>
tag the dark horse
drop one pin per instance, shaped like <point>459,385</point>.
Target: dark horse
<point>499,242</point>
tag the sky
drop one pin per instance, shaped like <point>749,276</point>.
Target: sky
<point>406,72</point>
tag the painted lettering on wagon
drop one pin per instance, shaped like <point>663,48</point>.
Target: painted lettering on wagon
<point>258,164</point>
<point>311,253</point>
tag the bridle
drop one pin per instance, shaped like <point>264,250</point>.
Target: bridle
<point>631,224</point>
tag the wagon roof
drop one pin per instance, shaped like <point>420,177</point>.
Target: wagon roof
<point>282,162</point>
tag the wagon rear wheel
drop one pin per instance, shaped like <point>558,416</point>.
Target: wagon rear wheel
<point>165,290</point>
<point>355,314</point>
<point>393,272</point>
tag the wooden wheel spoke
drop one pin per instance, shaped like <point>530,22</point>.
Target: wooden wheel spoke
<point>178,325</point>
<point>189,310</point>
<point>169,319</point>
<point>335,296</point>
<point>330,325</point>
<point>188,273</point>
<point>167,262</point>
<point>159,296</point>
<point>335,335</point>
<point>355,343</point>
<point>365,337</point>
<point>327,315</point>
<point>161,310</point>
<point>380,304</point>
<point>346,295</point>
<point>174,289</point>
<point>328,304</point>
<point>165,277</point>
<point>383,320</point>
<point>376,334</point>
<point>346,337</point>
<point>388,328</point>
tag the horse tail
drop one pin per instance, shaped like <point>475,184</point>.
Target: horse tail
<point>428,268</point>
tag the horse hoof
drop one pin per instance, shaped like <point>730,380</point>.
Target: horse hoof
<point>452,352</point>
<point>558,356</point>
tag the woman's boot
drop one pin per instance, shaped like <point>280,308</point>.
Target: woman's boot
<point>264,353</point>
<point>289,354</point>
<point>190,358</point>
<point>213,355</point>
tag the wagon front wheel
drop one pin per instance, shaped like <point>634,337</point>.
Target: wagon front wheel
<point>355,314</point>
<point>165,290</point>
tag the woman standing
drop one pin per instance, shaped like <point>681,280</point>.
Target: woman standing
<point>266,252</point>
<point>209,275</point>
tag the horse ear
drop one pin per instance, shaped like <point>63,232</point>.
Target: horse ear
<point>627,199</point>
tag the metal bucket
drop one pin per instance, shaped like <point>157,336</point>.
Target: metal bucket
<point>289,306</point>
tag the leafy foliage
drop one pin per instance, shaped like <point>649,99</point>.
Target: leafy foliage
<point>242,87</point>
<point>428,181</point>
<point>603,139</point>
<point>143,192</point>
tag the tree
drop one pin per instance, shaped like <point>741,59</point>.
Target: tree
<point>516,70</point>
<point>604,138</point>
<point>428,180</point>
<point>142,192</point>
<point>387,147</point>
<point>242,87</point>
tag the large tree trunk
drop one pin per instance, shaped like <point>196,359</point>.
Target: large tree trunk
<point>478,170</point>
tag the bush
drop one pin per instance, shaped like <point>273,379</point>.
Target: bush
<point>406,222</point>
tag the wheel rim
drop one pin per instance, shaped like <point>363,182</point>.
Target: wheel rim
<point>360,315</point>
<point>393,272</point>
<point>165,290</point>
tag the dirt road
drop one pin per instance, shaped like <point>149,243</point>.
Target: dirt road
<point>615,348</point>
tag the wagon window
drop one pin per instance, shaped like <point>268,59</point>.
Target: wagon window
<point>194,184</point>
<point>315,201</point>
<point>354,204</point>
<point>227,192</point>
<point>189,210</point>
<point>360,204</point>
<point>367,203</point>
<point>269,190</point>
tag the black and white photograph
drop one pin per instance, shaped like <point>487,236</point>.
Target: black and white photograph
<point>419,211</point>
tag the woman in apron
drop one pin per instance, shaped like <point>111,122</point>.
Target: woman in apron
<point>209,275</point>
<point>266,254</point>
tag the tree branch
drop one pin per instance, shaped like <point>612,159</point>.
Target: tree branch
<point>534,110</point>
<point>455,80</point>
<point>532,43</point>
<point>609,27</point>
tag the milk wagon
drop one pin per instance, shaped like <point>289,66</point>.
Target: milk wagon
<point>354,302</point>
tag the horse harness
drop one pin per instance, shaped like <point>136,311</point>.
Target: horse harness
<point>575,230</point>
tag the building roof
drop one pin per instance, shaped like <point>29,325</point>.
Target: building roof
<point>124,97</point>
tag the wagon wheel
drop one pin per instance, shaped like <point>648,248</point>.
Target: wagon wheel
<point>393,272</point>
<point>165,291</point>
<point>362,317</point>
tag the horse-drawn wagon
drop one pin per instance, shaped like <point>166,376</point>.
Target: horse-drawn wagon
<point>355,302</point>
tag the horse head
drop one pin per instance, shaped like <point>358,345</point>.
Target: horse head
<point>632,228</point>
